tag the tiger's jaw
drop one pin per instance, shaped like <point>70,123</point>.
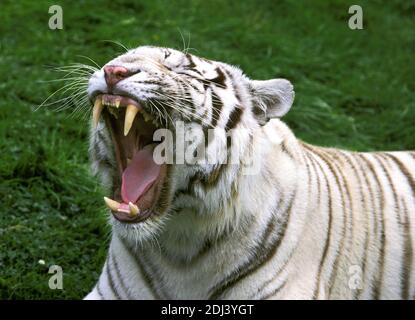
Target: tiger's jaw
<point>139,179</point>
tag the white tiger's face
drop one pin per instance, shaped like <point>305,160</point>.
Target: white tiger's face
<point>150,89</point>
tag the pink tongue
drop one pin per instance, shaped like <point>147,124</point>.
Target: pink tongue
<point>139,175</point>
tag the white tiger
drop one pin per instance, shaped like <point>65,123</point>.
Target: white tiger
<point>310,223</point>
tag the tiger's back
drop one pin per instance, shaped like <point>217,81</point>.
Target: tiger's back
<point>369,203</point>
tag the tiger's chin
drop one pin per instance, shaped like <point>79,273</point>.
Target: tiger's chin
<point>139,183</point>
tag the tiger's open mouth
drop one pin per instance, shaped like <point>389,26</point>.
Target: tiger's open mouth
<point>140,179</point>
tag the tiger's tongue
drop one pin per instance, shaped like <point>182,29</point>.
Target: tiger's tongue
<point>139,175</point>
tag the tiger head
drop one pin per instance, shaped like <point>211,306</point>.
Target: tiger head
<point>147,93</point>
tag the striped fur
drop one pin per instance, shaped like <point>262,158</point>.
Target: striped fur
<point>312,223</point>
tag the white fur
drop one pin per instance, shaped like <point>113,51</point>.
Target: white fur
<point>293,185</point>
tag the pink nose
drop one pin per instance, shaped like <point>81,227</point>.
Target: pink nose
<point>114,74</point>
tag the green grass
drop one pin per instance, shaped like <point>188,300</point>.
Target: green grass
<point>354,89</point>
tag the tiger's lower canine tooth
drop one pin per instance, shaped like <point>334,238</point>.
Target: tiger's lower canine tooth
<point>134,210</point>
<point>112,204</point>
<point>129,118</point>
<point>96,112</point>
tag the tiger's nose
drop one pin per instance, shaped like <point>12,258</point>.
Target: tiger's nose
<point>114,74</point>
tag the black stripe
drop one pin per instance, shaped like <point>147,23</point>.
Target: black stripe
<point>111,283</point>
<point>282,268</point>
<point>328,240</point>
<point>99,291</point>
<point>208,246</point>
<point>119,276</point>
<point>211,180</point>
<point>407,230</point>
<point>308,156</point>
<point>334,160</point>
<point>408,256</point>
<point>274,292</point>
<point>273,278</point>
<point>307,166</point>
<point>348,218</point>
<point>234,118</point>
<point>220,78</point>
<point>330,166</point>
<point>356,173</point>
<point>286,150</point>
<point>389,178</point>
<point>148,82</point>
<point>316,172</point>
<point>148,280</point>
<point>205,109</point>
<point>409,178</point>
<point>397,211</point>
<point>375,226</point>
<point>381,262</point>
<point>193,86</point>
<point>191,64</point>
<point>153,272</point>
<point>366,211</point>
<point>167,53</point>
<point>264,251</point>
<point>234,85</point>
<point>217,106</point>
<point>165,197</point>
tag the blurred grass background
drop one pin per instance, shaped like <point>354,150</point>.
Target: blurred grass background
<point>354,89</point>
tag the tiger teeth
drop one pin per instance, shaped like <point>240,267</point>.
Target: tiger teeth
<point>134,210</point>
<point>112,204</point>
<point>129,118</point>
<point>112,106</point>
<point>96,112</point>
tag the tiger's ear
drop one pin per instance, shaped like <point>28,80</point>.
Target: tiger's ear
<point>271,98</point>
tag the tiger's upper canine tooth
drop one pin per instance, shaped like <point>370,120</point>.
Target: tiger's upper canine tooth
<point>134,210</point>
<point>129,118</point>
<point>112,204</point>
<point>96,112</point>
